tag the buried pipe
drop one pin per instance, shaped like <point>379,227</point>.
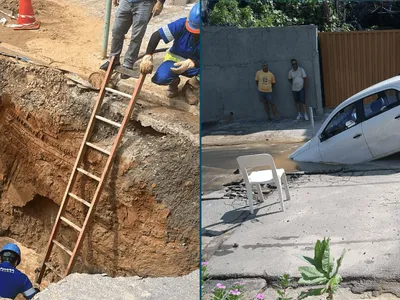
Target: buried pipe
<point>312,120</point>
<point>107,18</point>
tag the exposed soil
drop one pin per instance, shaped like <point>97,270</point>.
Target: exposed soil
<point>10,4</point>
<point>147,220</point>
<point>68,35</point>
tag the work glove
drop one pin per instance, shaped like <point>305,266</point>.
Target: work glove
<point>182,66</point>
<point>146,66</point>
<point>116,2</point>
<point>157,8</point>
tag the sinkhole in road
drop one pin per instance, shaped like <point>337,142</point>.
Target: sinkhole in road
<point>219,163</point>
<point>146,221</point>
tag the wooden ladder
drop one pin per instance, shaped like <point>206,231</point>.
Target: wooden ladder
<point>95,117</point>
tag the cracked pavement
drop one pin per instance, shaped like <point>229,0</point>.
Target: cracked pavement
<point>357,206</point>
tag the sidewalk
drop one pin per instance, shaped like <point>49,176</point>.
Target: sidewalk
<point>255,131</point>
<point>358,210</point>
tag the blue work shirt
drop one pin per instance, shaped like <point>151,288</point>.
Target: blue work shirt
<point>185,44</point>
<point>14,282</point>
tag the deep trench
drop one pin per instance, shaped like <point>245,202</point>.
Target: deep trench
<point>146,222</point>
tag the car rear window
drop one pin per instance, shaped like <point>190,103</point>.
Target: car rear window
<point>380,102</point>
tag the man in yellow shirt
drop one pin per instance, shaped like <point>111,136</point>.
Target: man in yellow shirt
<point>265,82</point>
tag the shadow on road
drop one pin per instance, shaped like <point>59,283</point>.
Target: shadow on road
<point>237,217</point>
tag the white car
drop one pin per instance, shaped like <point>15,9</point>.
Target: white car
<point>363,128</point>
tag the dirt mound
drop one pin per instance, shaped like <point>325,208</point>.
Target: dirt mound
<point>147,220</point>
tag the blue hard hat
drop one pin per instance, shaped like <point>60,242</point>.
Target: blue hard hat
<point>13,248</point>
<point>194,19</point>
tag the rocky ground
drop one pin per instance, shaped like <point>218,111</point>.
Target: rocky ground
<point>88,287</point>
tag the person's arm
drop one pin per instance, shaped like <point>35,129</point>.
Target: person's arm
<point>146,66</point>
<point>273,81</point>
<point>157,8</point>
<point>290,77</point>
<point>304,77</point>
<point>257,78</point>
<point>29,291</point>
<point>167,33</point>
<point>153,43</point>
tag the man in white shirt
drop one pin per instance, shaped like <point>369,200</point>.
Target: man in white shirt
<point>298,79</point>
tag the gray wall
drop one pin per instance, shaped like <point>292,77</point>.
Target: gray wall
<point>231,57</point>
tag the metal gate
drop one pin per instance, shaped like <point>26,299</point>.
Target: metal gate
<point>352,61</point>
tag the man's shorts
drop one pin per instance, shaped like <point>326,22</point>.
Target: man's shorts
<point>300,96</point>
<point>265,97</point>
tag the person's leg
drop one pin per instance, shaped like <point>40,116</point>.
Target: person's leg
<point>302,100</point>
<point>298,107</point>
<point>122,23</point>
<point>141,13</point>
<point>297,102</point>
<point>274,111</point>
<point>267,109</point>
<point>191,90</point>
<point>271,103</point>
<point>305,110</point>
<point>192,72</point>
<point>262,98</point>
<point>164,76</point>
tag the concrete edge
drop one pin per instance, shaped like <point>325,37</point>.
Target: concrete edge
<point>234,140</point>
<point>174,103</point>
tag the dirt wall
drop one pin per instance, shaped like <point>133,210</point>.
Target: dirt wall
<point>147,221</point>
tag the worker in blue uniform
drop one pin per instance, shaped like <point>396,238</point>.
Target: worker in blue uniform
<point>183,58</point>
<point>13,281</point>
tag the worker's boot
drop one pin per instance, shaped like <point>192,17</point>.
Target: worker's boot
<point>172,90</point>
<point>191,91</point>
<point>105,66</point>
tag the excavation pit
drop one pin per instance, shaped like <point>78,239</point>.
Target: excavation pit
<point>147,220</point>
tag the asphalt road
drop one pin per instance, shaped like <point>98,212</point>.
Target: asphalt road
<point>357,207</point>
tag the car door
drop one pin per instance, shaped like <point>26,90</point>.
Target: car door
<point>381,127</point>
<point>342,141</point>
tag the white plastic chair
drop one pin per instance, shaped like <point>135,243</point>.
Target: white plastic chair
<point>264,176</point>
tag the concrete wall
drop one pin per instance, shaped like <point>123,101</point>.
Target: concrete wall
<point>231,58</point>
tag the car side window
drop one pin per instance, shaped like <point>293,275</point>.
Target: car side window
<point>380,102</point>
<point>346,118</point>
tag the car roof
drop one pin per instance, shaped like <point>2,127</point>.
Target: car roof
<point>393,82</point>
<point>390,83</point>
